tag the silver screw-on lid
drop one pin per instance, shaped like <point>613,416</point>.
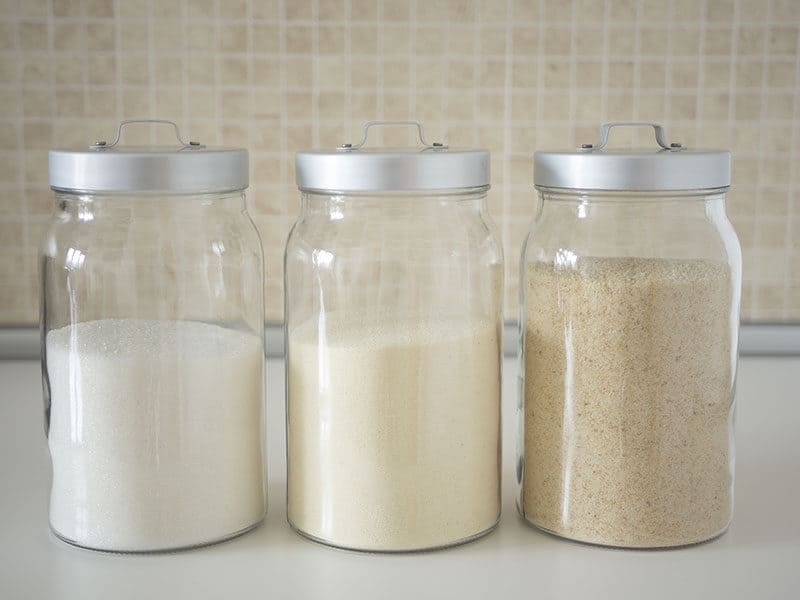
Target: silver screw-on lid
<point>354,168</point>
<point>668,167</point>
<point>184,168</point>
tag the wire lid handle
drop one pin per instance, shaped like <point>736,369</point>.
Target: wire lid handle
<point>368,124</point>
<point>605,130</point>
<point>99,145</point>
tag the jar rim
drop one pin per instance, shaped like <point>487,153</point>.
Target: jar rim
<point>632,194</point>
<point>432,193</point>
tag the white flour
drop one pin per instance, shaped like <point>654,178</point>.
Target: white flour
<point>155,433</point>
<point>394,432</point>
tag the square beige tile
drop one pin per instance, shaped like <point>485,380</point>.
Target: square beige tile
<point>266,38</point>
<point>331,40</point>
<point>493,40</point>
<point>233,71</point>
<point>167,35</point>
<point>233,38</point>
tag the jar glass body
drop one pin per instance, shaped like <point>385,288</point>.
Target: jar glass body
<point>629,320</point>
<point>393,333</point>
<point>152,354</point>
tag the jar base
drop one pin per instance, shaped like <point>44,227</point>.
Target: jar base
<point>678,546</point>
<point>423,549</point>
<point>164,550</point>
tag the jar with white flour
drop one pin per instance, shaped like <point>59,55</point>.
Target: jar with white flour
<point>393,328</point>
<point>152,347</point>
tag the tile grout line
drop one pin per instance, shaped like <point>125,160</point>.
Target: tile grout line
<point>540,62</point>
<point>443,85</point>
<point>507,147</point>
<point>637,68</point>
<point>315,73</point>
<point>348,75</point>
<point>51,27</point>
<point>732,72</point>
<point>754,296</point>
<point>283,119</point>
<point>557,24</point>
<point>185,71</point>
<point>668,67</point>
<point>792,204</point>
<point>412,63</point>
<point>604,69</point>
<point>167,53</point>
<point>22,173</point>
<point>151,71</point>
<point>732,101</point>
<point>465,122</point>
<point>120,108</point>
<point>251,97</point>
<point>477,61</point>
<point>84,49</point>
<point>701,75</point>
<point>776,91</point>
<point>217,75</point>
<point>573,68</point>
<point>379,75</point>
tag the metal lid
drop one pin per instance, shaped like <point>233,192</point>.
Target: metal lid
<point>354,168</point>
<point>185,168</point>
<point>668,167</point>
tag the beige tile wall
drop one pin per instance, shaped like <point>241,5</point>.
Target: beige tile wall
<point>512,75</point>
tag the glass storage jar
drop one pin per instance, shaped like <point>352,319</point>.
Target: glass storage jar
<point>152,347</point>
<point>630,287</point>
<point>393,330</point>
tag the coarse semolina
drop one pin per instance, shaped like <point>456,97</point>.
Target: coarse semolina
<point>628,400</point>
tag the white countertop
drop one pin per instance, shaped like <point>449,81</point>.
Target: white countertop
<point>759,557</point>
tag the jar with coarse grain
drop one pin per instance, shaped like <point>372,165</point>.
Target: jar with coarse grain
<point>630,288</point>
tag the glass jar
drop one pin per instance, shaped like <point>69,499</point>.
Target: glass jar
<point>393,330</point>
<point>152,347</point>
<point>630,289</point>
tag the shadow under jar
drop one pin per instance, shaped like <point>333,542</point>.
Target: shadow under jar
<point>152,347</point>
<point>393,330</point>
<point>631,278</point>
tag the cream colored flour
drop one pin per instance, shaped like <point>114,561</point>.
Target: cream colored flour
<point>394,432</point>
<point>155,433</point>
<point>628,387</point>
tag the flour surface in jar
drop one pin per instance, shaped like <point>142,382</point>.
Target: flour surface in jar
<point>628,400</point>
<point>394,430</point>
<point>155,433</point>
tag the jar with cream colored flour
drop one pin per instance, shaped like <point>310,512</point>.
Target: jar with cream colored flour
<point>393,330</point>
<point>152,346</point>
<point>630,288</point>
